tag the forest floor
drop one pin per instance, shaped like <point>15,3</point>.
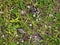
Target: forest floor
<point>29,22</point>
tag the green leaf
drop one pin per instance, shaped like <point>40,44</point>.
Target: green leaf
<point>58,16</point>
<point>12,43</point>
<point>1,21</point>
<point>15,11</point>
<point>22,5</point>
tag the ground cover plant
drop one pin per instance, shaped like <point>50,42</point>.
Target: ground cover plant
<point>29,22</point>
